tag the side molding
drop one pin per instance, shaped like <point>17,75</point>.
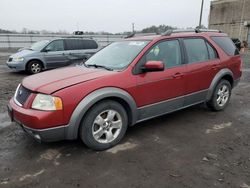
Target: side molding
<point>217,78</point>
<point>88,101</point>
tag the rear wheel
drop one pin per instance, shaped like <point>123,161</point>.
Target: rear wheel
<point>221,96</point>
<point>34,67</point>
<point>104,125</point>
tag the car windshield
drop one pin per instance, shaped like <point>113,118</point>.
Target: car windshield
<point>39,45</point>
<point>117,55</point>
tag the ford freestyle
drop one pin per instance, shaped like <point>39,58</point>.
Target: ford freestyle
<point>125,83</point>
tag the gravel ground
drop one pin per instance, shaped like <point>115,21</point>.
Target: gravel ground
<point>190,148</point>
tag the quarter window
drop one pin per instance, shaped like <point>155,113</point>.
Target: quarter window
<point>226,44</point>
<point>89,44</point>
<point>196,50</point>
<point>212,52</point>
<point>168,52</point>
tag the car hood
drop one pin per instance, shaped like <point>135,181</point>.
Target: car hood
<point>23,53</point>
<point>54,80</point>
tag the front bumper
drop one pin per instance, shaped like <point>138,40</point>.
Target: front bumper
<point>42,135</point>
<point>18,66</point>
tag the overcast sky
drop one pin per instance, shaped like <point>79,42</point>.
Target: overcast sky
<point>99,15</point>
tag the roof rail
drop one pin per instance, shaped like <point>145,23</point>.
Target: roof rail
<point>197,30</point>
<point>140,35</point>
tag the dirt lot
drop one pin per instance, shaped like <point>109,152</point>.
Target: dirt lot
<point>190,148</point>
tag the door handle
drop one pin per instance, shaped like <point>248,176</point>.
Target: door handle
<point>178,75</point>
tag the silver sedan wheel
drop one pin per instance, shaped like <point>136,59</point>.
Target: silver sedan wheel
<point>222,95</point>
<point>36,67</point>
<point>107,126</point>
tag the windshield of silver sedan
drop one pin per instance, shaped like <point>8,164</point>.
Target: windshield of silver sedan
<point>117,55</point>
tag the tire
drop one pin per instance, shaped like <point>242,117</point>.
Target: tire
<point>34,67</point>
<point>104,125</point>
<point>221,96</point>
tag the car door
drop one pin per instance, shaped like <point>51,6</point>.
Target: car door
<point>162,92</point>
<point>73,50</point>
<point>54,54</point>
<point>202,65</point>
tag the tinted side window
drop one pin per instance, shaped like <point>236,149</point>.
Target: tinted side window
<point>226,44</point>
<point>56,45</point>
<point>196,50</point>
<point>79,44</point>
<point>89,44</point>
<point>168,52</point>
<point>212,52</point>
<point>70,44</point>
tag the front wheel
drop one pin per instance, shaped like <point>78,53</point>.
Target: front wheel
<point>104,125</point>
<point>34,67</point>
<point>221,96</point>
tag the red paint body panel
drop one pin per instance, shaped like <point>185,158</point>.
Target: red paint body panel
<point>50,81</point>
<point>37,119</point>
<point>154,87</point>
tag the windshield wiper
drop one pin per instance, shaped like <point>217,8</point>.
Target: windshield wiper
<point>98,66</point>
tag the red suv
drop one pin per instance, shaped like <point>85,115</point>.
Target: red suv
<point>125,83</point>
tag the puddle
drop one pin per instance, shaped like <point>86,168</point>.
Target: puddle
<point>4,120</point>
<point>121,147</point>
<point>218,127</point>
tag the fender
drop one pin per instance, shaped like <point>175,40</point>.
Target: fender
<point>217,78</point>
<point>87,102</point>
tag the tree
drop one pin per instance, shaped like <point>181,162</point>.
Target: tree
<point>157,29</point>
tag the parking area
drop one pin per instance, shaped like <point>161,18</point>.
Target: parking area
<point>194,147</point>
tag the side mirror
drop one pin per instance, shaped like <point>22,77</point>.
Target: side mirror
<point>152,66</point>
<point>46,50</point>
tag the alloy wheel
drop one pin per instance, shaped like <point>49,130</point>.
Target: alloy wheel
<point>107,126</point>
<point>222,95</point>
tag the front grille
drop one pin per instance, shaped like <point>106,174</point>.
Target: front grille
<point>10,59</point>
<point>22,94</point>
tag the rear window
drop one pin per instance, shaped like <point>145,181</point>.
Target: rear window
<point>80,44</point>
<point>226,44</point>
<point>89,44</point>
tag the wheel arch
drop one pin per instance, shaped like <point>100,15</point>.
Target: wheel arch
<point>109,93</point>
<point>222,74</point>
<point>39,60</point>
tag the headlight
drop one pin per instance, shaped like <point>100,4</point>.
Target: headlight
<point>47,102</point>
<point>18,59</point>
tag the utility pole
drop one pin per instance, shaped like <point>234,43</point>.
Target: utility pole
<point>133,27</point>
<point>201,13</point>
<point>241,19</point>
